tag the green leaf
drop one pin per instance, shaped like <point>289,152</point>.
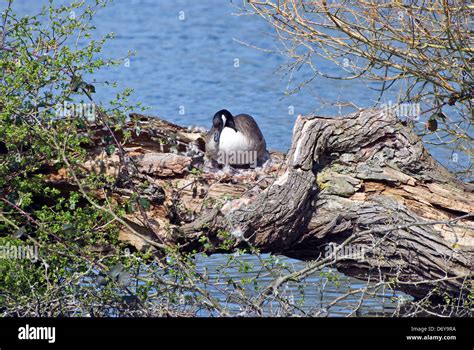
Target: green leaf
<point>110,149</point>
<point>145,203</point>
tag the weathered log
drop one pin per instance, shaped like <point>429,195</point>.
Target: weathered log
<point>365,176</point>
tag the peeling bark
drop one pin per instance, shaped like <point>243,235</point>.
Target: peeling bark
<point>365,176</point>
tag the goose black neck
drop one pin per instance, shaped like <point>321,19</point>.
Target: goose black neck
<point>223,119</point>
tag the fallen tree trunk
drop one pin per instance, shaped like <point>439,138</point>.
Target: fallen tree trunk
<point>364,179</point>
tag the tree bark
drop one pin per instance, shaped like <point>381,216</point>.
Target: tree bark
<point>364,176</point>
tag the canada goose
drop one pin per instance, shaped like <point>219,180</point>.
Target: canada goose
<point>237,140</point>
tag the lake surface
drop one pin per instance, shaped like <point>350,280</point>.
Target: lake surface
<point>190,62</point>
<point>313,295</point>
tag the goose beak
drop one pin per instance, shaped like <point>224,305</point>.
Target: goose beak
<point>216,136</point>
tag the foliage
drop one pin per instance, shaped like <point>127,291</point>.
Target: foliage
<point>44,61</point>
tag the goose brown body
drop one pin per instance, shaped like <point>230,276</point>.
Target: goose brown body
<point>235,135</point>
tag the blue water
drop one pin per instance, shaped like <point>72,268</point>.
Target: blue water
<point>313,295</point>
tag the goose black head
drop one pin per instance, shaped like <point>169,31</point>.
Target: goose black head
<point>222,119</point>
